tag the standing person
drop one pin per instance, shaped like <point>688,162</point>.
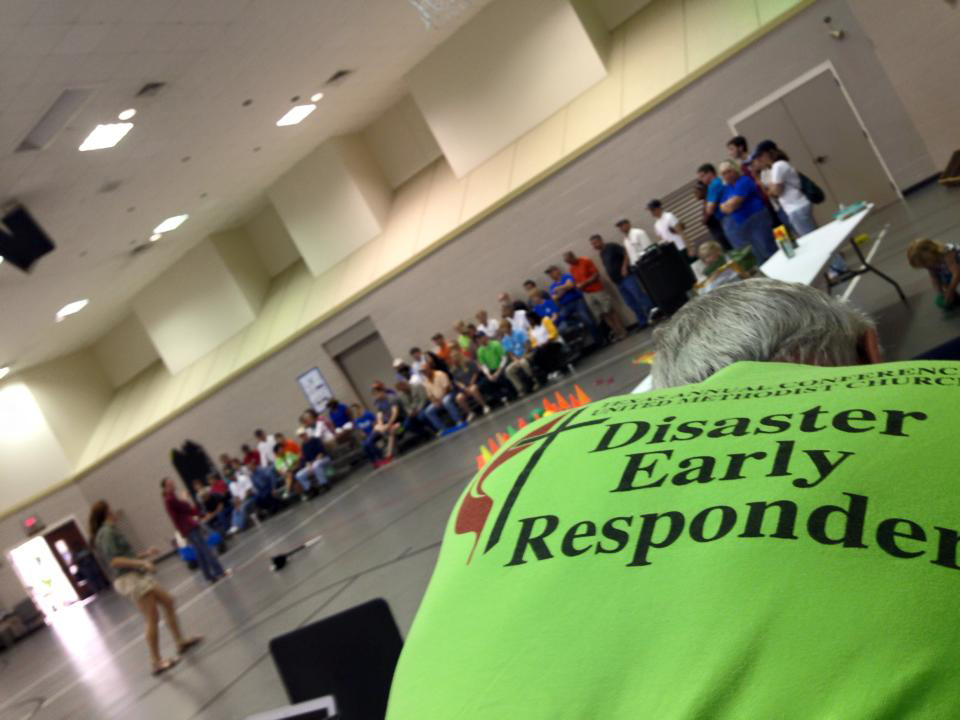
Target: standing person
<point>614,259</point>
<point>635,241</point>
<point>669,228</point>
<point>569,299</point>
<point>183,516</point>
<point>739,153</point>
<point>742,200</point>
<point>598,300</point>
<point>135,579</point>
<point>713,217</point>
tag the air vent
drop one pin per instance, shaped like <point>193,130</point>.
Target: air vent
<point>151,89</point>
<point>141,248</point>
<point>338,77</point>
<point>109,186</point>
<point>55,119</point>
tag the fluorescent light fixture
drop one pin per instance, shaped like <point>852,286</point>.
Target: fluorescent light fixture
<point>127,114</point>
<point>4,371</point>
<point>105,136</point>
<point>171,223</point>
<point>155,237</point>
<point>1,259</point>
<point>316,97</point>
<point>296,114</point>
<point>71,308</point>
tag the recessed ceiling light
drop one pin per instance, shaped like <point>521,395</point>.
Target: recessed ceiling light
<point>71,308</point>
<point>4,371</point>
<point>316,97</point>
<point>1,259</point>
<point>171,223</point>
<point>296,114</point>
<point>127,114</point>
<point>105,136</point>
<point>155,237</point>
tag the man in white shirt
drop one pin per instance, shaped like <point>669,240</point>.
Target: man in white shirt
<point>668,228</point>
<point>265,445</point>
<point>635,241</point>
<point>244,498</point>
<point>487,325</point>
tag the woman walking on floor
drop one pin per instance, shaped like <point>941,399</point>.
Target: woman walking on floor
<point>134,578</point>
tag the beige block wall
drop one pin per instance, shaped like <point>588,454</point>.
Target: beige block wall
<point>125,350</point>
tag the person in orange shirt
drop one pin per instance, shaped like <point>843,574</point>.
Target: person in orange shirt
<point>289,446</point>
<point>587,277</point>
<point>441,347</point>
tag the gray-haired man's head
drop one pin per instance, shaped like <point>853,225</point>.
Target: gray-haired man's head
<point>761,320</point>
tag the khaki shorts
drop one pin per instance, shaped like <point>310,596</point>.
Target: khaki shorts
<point>600,302</point>
<point>134,585</point>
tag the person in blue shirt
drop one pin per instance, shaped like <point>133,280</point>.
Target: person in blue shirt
<point>713,216</point>
<point>543,305</point>
<point>339,415</point>
<point>742,200</point>
<point>365,421</point>
<point>519,370</point>
<point>573,308</point>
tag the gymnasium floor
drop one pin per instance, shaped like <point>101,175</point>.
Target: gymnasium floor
<point>381,532</point>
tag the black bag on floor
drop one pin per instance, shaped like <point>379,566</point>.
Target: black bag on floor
<point>666,275</point>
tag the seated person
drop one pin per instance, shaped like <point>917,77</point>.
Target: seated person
<point>777,497</point>
<point>413,401</point>
<point>942,262</point>
<point>339,415</point>
<point>286,462</point>
<point>288,444</point>
<point>441,348</point>
<point>365,422</point>
<point>421,359</point>
<point>389,418</point>
<point>544,306</point>
<point>487,325</point>
<point>468,379</point>
<point>517,347</point>
<point>313,463</point>
<point>244,501</point>
<point>442,396</point>
<point>218,484</point>
<point>715,267</point>
<point>464,341</point>
<point>319,426</point>
<point>249,454</point>
<point>216,510</point>
<point>547,346</point>
<point>266,484</point>
<point>493,362</point>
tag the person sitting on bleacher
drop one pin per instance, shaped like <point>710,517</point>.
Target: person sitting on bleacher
<point>464,341</point>
<point>286,461</point>
<point>365,421</point>
<point>442,396</point>
<point>339,415</point>
<point>389,419</point>
<point>216,508</point>
<point>244,501</point>
<point>469,380</point>
<point>517,347</point>
<point>493,361</point>
<point>266,483</point>
<point>441,348</point>
<point>313,462</point>
<point>547,348</point>
<point>413,401</point>
<point>249,454</point>
<point>543,305</point>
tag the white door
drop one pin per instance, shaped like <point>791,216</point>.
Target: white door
<point>816,126</point>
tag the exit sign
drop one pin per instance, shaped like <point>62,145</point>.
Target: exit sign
<point>32,525</point>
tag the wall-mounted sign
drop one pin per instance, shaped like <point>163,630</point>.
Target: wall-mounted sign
<point>315,388</point>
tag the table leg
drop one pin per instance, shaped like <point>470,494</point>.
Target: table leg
<point>868,267</point>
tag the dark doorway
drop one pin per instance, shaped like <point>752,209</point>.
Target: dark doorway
<point>71,551</point>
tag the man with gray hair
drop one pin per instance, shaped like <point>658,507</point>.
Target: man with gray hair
<point>761,320</point>
<point>774,533</point>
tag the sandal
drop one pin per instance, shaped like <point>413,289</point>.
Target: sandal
<point>188,643</point>
<point>164,665</point>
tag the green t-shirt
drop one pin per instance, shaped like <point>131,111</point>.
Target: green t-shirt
<point>112,543</point>
<point>490,354</point>
<point>779,541</point>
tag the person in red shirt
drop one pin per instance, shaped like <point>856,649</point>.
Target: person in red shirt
<point>249,454</point>
<point>587,277</point>
<point>183,516</point>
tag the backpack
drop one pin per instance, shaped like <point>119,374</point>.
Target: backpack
<point>811,191</point>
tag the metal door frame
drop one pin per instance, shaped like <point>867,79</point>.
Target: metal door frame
<point>825,67</point>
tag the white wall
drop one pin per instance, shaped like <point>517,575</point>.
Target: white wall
<point>193,307</point>
<point>31,459</point>
<point>125,350</point>
<point>271,240</point>
<point>511,67</point>
<point>615,12</point>
<point>401,141</point>
<point>332,202</point>
<point>236,249</point>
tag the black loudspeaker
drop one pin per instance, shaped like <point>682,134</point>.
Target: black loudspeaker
<point>351,655</point>
<point>22,241</point>
<point>666,276</point>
